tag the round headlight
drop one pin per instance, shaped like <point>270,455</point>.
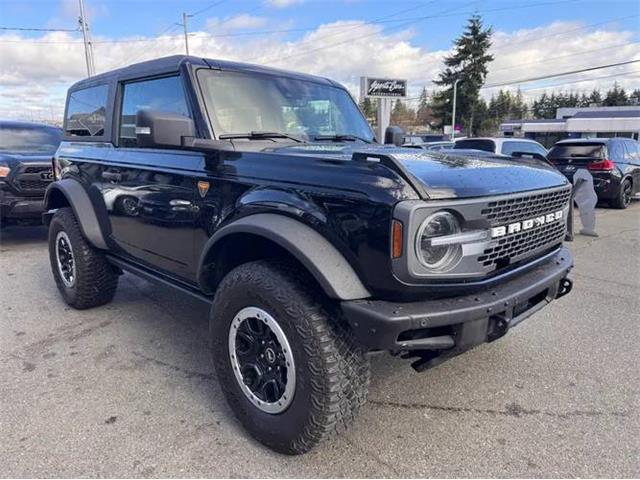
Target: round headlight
<point>438,258</point>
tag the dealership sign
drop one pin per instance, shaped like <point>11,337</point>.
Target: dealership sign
<point>383,87</point>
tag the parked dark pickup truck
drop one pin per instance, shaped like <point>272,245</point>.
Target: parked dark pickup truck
<point>26,150</point>
<point>265,193</point>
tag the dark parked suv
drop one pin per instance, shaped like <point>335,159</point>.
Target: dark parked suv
<point>613,162</point>
<point>264,193</point>
<point>26,150</point>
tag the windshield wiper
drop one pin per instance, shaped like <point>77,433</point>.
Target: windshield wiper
<point>258,135</point>
<point>338,137</point>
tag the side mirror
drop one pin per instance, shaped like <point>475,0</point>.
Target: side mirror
<point>393,136</point>
<point>156,129</point>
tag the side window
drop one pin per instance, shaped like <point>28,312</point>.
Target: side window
<point>86,112</point>
<point>616,151</point>
<point>163,94</point>
<point>632,152</point>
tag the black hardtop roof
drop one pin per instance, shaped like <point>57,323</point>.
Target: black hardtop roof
<point>21,124</point>
<point>170,64</point>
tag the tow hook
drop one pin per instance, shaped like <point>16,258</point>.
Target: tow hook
<point>566,284</point>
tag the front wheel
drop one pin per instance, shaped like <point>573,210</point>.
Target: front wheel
<point>291,371</point>
<point>83,275</point>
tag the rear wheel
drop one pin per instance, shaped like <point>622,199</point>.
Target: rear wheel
<point>291,372</point>
<point>623,200</point>
<point>83,275</point>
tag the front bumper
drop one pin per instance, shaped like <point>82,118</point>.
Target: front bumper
<point>439,329</point>
<point>20,207</point>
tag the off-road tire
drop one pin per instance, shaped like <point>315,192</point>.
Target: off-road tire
<point>96,280</point>
<point>332,369</point>
<point>623,199</point>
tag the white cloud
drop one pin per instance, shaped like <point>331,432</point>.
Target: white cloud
<point>283,3</point>
<point>35,75</point>
<point>237,22</point>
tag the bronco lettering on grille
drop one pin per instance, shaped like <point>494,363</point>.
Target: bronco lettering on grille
<point>525,224</point>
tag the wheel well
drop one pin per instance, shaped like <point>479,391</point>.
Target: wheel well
<point>57,199</point>
<point>238,248</point>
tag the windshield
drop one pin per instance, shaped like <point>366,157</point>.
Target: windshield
<point>240,103</point>
<point>29,140</point>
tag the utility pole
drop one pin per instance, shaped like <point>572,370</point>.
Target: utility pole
<point>453,113</point>
<point>186,33</point>
<point>88,49</point>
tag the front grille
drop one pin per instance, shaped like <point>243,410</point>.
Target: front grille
<point>516,209</point>
<point>36,169</point>
<point>515,247</point>
<point>32,178</point>
<point>33,184</point>
<point>519,245</point>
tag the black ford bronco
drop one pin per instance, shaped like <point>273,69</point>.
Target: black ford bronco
<point>265,193</point>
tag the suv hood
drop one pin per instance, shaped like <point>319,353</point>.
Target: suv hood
<point>13,159</point>
<point>450,175</point>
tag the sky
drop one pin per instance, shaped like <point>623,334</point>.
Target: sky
<point>340,39</point>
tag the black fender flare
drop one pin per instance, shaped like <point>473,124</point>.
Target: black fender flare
<point>82,207</point>
<point>323,260</point>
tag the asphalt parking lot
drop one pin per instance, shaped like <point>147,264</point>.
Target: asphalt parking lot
<point>127,390</point>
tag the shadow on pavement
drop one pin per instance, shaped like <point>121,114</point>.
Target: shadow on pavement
<point>19,235</point>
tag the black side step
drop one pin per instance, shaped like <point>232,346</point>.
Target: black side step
<point>156,277</point>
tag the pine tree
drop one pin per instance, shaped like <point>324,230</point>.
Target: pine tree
<point>595,98</point>
<point>423,114</point>
<point>368,107</point>
<point>634,97</point>
<point>615,97</point>
<point>468,63</point>
<point>584,100</point>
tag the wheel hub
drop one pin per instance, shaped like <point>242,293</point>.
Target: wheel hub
<point>262,360</point>
<point>65,259</point>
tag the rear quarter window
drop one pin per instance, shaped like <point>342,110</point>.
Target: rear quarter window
<point>475,144</point>
<point>86,112</point>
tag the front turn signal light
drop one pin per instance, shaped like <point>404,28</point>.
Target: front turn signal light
<point>396,239</point>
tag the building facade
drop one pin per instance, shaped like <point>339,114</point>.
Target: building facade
<point>578,123</point>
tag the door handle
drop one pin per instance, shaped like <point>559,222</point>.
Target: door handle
<point>180,203</point>
<point>112,176</point>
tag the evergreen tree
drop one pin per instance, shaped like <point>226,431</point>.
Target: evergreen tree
<point>423,114</point>
<point>615,97</point>
<point>584,100</point>
<point>595,98</point>
<point>402,115</point>
<point>634,97</point>
<point>518,108</point>
<point>468,63</point>
<point>368,107</point>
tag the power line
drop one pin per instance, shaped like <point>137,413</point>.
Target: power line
<point>616,75</point>
<point>554,75</point>
<point>546,60</point>
<point>562,74</point>
<point>214,4</point>
<point>445,13</point>
<point>339,27</point>
<point>24,29</point>
<point>306,52</point>
<point>566,32</point>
